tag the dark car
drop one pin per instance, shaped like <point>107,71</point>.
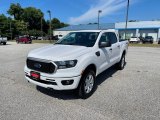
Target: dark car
<point>24,40</point>
<point>159,41</point>
<point>148,39</point>
<point>141,38</point>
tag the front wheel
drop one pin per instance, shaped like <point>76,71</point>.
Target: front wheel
<point>87,84</point>
<point>121,63</point>
<point>4,43</point>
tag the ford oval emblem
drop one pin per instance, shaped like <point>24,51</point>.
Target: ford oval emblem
<point>37,65</point>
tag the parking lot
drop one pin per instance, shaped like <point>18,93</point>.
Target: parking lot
<point>130,94</point>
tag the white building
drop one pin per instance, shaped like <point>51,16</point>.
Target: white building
<point>141,28</point>
<point>136,29</point>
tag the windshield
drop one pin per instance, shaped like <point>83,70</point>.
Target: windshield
<point>148,37</point>
<point>87,39</point>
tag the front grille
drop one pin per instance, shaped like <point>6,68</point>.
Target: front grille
<point>41,66</point>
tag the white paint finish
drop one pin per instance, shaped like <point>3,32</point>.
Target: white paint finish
<point>84,55</point>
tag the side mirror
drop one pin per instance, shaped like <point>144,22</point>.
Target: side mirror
<point>104,44</point>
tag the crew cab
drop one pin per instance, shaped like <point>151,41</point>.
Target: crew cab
<point>74,61</point>
<point>3,40</point>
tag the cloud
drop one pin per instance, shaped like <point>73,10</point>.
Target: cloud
<point>107,6</point>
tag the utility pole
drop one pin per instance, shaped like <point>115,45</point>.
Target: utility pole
<point>99,11</point>
<point>41,27</point>
<point>49,12</point>
<point>126,19</point>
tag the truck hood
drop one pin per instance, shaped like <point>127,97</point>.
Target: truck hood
<point>59,52</point>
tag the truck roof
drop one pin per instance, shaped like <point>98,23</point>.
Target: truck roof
<point>108,30</point>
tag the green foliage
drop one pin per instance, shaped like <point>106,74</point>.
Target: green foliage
<point>15,10</point>
<point>57,24</point>
<point>33,17</point>
<point>27,20</point>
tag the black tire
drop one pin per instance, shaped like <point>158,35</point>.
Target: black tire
<point>85,92</point>
<point>121,64</point>
<point>4,43</point>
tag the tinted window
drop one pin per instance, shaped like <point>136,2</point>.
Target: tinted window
<point>104,37</point>
<point>112,37</point>
<point>109,36</point>
<point>149,37</point>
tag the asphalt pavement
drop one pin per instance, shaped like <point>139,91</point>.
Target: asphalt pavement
<point>130,94</point>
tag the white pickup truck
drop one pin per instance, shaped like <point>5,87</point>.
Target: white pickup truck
<point>3,40</point>
<point>74,61</point>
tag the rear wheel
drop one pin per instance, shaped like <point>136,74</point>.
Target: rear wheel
<point>87,84</point>
<point>4,43</point>
<point>121,63</point>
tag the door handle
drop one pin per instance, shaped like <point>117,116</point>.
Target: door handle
<point>110,49</point>
<point>118,46</point>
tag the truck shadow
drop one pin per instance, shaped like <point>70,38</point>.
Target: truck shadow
<point>71,94</point>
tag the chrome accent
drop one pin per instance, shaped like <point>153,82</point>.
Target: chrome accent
<point>45,61</point>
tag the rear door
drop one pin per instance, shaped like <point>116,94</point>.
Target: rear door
<point>115,47</point>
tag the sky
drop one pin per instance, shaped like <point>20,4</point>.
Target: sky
<point>86,11</point>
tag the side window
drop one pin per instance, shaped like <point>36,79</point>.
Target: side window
<point>112,37</point>
<point>104,37</point>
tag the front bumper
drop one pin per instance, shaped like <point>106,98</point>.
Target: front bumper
<point>54,82</point>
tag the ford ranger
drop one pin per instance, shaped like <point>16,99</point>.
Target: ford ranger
<point>74,61</point>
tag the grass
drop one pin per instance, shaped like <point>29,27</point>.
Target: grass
<point>42,41</point>
<point>144,45</point>
<point>38,41</point>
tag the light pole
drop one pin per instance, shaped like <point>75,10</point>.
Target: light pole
<point>126,19</point>
<point>49,12</point>
<point>99,11</point>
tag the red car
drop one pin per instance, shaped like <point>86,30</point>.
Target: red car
<point>24,40</point>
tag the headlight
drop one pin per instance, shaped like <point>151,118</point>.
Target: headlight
<point>66,64</point>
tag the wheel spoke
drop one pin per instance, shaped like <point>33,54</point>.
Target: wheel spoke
<point>89,83</point>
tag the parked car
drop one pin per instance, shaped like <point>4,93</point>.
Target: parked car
<point>39,38</point>
<point>141,38</point>
<point>148,39</point>
<point>3,40</point>
<point>134,40</point>
<point>74,61</point>
<point>159,41</point>
<point>24,40</point>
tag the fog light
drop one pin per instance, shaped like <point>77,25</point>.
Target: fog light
<point>67,82</point>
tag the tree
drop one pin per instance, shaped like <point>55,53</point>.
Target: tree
<point>57,24</point>
<point>33,17</point>
<point>16,11</point>
<point>26,21</point>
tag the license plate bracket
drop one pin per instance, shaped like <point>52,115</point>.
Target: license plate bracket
<point>35,75</point>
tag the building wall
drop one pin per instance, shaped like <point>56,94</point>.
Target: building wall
<point>141,32</point>
<point>139,24</point>
<point>136,29</point>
